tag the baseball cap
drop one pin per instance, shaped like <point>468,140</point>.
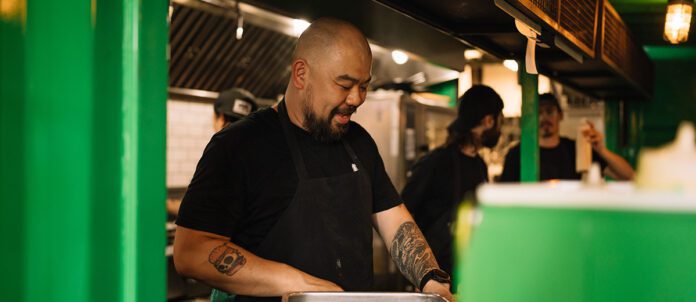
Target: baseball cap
<point>474,105</point>
<point>236,103</point>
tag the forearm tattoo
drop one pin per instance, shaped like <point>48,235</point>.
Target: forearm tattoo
<point>226,259</point>
<point>411,253</point>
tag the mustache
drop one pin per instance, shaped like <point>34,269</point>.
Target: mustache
<point>350,109</point>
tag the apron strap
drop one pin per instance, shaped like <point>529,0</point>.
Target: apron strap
<point>292,142</point>
<point>357,164</point>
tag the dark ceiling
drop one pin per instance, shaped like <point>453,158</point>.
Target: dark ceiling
<point>438,31</point>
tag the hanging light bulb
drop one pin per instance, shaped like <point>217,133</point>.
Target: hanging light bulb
<point>678,21</point>
<point>240,22</point>
<point>240,27</point>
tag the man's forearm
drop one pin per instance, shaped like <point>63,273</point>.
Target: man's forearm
<point>618,165</point>
<point>411,253</point>
<point>224,265</point>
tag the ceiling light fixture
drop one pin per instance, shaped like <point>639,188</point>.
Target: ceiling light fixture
<point>511,64</point>
<point>299,26</point>
<point>678,21</point>
<point>473,54</point>
<point>399,57</point>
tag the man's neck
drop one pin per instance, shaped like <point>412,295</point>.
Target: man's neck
<point>294,112</point>
<point>549,142</point>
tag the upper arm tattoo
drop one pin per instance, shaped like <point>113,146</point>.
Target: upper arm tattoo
<point>411,253</point>
<point>226,259</point>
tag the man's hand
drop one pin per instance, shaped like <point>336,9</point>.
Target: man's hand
<point>314,284</point>
<point>617,167</point>
<point>595,137</point>
<point>442,289</point>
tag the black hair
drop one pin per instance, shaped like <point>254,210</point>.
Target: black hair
<point>550,98</point>
<point>474,105</point>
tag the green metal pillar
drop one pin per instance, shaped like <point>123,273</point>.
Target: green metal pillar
<point>83,101</point>
<point>12,172</point>
<point>529,125</point>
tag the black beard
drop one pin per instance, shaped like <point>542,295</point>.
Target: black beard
<point>321,129</point>
<point>490,137</point>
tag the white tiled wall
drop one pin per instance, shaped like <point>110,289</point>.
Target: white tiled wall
<point>189,128</point>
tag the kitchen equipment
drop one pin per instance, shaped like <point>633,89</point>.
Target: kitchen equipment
<point>405,126</point>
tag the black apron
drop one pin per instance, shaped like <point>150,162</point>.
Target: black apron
<point>326,231</point>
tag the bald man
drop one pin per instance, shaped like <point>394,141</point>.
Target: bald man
<point>285,200</point>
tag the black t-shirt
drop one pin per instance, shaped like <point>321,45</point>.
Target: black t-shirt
<point>430,189</point>
<point>246,178</point>
<point>431,195</point>
<point>555,163</point>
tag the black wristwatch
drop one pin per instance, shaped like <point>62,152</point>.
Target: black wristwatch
<point>437,275</point>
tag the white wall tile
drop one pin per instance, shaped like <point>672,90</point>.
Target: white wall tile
<point>189,129</point>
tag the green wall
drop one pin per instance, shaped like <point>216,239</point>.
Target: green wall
<point>654,123</point>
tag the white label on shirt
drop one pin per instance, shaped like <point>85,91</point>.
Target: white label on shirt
<point>355,167</point>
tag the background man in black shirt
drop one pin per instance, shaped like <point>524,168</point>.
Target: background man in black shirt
<point>440,180</point>
<point>557,154</point>
<point>285,199</point>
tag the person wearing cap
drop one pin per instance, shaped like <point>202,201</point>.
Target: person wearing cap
<point>441,179</point>
<point>231,106</point>
<point>557,153</point>
<point>286,199</point>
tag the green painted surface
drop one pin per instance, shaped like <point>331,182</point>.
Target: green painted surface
<point>661,53</point>
<point>152,68</point>
<point>529,126</point>
<point>532,254</point>
<point>12,172</point>
<point>58,131</point>
<point>107,213</point>
<point>448,89</point>
<point>655,122</point>
<point>82,151</point>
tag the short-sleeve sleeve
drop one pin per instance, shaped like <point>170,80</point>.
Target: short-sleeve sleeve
<point>214,200</point>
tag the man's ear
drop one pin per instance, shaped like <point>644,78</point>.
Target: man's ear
<point>488,121</point>
<point>299,73</point>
